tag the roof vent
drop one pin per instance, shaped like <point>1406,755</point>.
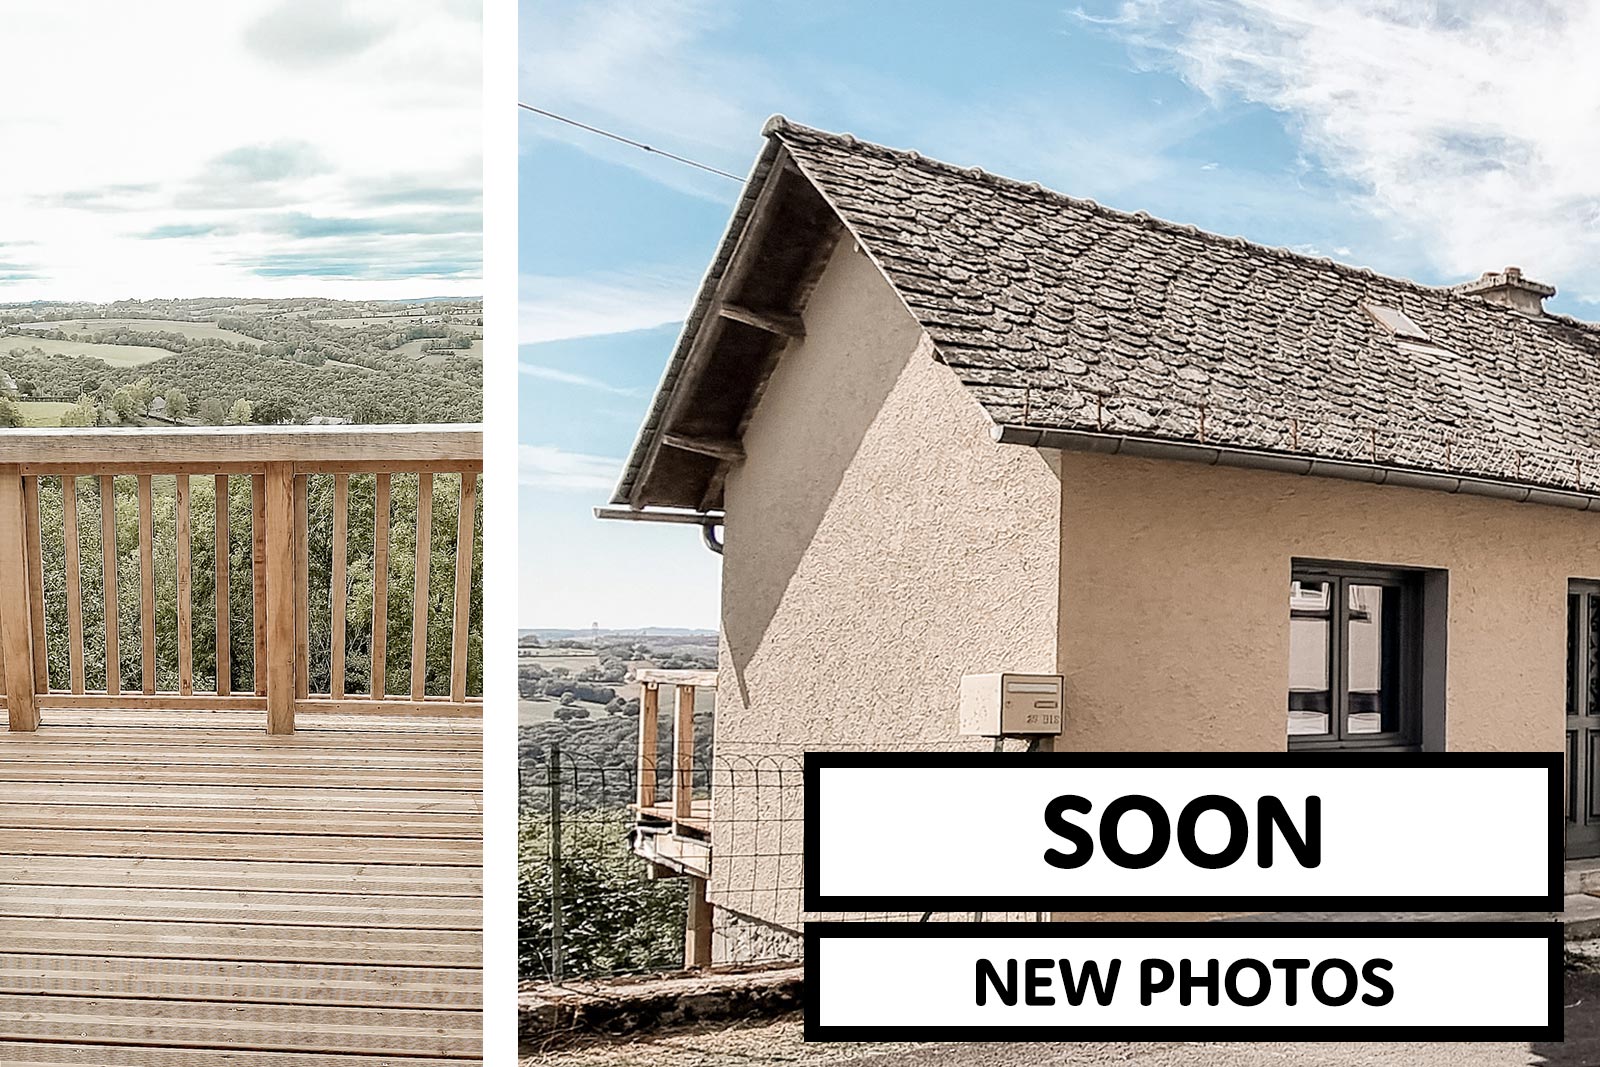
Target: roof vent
<point>1509,288</point>
<point>1394,320</point>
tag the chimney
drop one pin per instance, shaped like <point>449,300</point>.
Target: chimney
<point>1509,288</point>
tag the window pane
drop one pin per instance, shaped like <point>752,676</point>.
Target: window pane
<point>1574,649</point>
<point>1373,675</point>
<point>1310,630</point>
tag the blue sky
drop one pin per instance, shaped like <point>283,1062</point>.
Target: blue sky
<point>1432,140</point>
<point>256,148</point>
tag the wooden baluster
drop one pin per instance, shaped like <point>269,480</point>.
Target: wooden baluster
<point>419,589</point>
<point>302,582</point>
<point>337,592</point>
<point>380,585</point>
<point>147,590</point>
<point>278,559</point>
<point>258,579</point>
<point>649,706</point>
<point>682,754</point>
<point>16,617</point>
<point>33,548</point>
<point>185,599</point>
<point>224,600</point>
<point>108,578</point>
<point>69,539</point>
<point>466,509</point>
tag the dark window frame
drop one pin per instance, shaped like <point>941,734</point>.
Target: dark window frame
<point>1408,736</point>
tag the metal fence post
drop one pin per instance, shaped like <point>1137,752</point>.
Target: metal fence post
<point>553,780</point>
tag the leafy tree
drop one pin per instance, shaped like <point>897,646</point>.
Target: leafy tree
<point>177,403</point>
<point>10,414</point>
<point>83,413</point>
<point>271,411</point>
<point>240,412</point>
<point>213,412</point>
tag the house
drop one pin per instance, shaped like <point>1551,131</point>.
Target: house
<point>1240,497</point>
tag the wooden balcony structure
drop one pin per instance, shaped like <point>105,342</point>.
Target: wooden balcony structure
<point>198,872</point>
<point>674,833</point>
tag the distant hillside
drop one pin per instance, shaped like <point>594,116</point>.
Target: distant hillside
<point>213,361</point>
<point>641,631</point>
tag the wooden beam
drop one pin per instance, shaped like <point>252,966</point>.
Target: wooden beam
<point>649,708</point>
<point>725,450</point>
<point>280,603</point>
<point>466,527</point>
<point>69,536</point>
<point>302,587</point>
<point>185,599</point>
<point>697,928</point>
<point>380,585</point>
<point>657,676</point>
<point>108,578</point>
<point>16,631</point>
<point>782,323</point>
<point>337,591</point>
<point>258,580</point>
<point>682,753</point>
<point>209,449</point>
<point>33,548</point>
<point>224,598</point>
<point>147,589</point>
<point>419,588</point>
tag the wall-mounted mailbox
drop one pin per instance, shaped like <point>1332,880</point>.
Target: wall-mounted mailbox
<point>1011,705</point>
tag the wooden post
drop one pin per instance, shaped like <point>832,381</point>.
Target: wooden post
<point>697,929</point>
<point>649,706</point>
<point>33,553</point>
<point>300,525</point>
<point>185,598</point>
<point>147,590</point>
<point>682,755</point>
<point>337,593</point>
<point>223,551</point>
<point>16,630</point>
<point>419,590</point>
<point>380,586</point>
<point>108,581</point>
<point>280,604</point>
<point>69,538</point>
<point>258,580</point>
<point>466,509</point>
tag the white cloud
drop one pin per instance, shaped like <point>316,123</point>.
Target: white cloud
<point>554,308</point>
<point>1467,128</point>
<point>549,467</point>
<point>159,152</point>
<point>564,377</point>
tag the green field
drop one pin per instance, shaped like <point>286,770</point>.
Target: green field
<point>413,350</point>
<point>111,355</point>
<point>200,331</point>
<point>42,412</point>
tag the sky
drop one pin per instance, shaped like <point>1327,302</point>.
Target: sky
<point>254,148</point>
<point>1431,140</point>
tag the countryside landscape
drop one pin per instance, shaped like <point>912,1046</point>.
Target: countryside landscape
<point>238,362</point>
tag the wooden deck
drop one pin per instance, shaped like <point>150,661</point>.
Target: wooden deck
<point>179,888</point>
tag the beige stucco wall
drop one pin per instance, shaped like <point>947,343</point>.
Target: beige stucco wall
<point>1175,586</point>
<point>878,546</point>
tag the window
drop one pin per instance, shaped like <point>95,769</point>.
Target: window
<point>1355,657</point>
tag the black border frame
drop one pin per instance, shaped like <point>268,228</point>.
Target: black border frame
<point>1552,1031</point>
<point>816,901</point>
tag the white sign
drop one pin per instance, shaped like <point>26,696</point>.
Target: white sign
<point>1186,981</point>
<point>1262,831</point>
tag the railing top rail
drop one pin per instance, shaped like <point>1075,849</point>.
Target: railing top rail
<point>201,445</point>
<point>701,679</point>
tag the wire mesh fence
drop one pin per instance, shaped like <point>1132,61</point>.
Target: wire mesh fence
<point>592,904</point>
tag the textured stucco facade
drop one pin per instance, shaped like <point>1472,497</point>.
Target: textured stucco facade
<point>1175,585</point>
<point>878,546</point>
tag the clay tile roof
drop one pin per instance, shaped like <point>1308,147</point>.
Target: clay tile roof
<point>1061,314</point>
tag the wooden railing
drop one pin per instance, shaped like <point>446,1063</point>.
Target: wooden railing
<point>266,474</point>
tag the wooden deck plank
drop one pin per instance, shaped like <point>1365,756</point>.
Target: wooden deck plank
<point>295,1028</point>
<point>187,890</point>
<point>78,1054</point>
<point>448,988</point>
